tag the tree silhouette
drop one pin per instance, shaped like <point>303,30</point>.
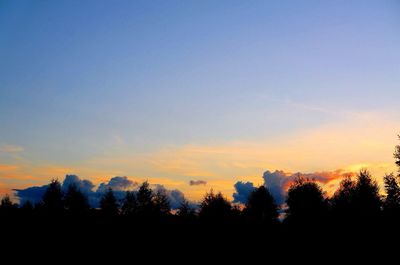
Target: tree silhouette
<point>7,207</point>
<point>261,206</point>
<point>367,201</point>
<point>161,203</point>
<point>305,201</point>
<point>342,200</point>
<point>215,207</point>
<point>52,202</point>
<point>185,210</point>
<point>109,204</point>
<point>397,155</point>
<point>391,204</point>
<point>75,201</point>
<point>129,205</point>
<point>27,208</point>
<point>145,201</point>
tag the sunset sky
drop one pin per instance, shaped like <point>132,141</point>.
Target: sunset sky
<point>212,92</point>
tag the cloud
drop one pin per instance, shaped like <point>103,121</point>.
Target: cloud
<point>7,167</point>
<point>119,185</point>
<point>279,181</point>
<point>31,194</point>
<point>8,148</point>
<point>197,182</point>
<point>175,196</point>
<point>243,190</point>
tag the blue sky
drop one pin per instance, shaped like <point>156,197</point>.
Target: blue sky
<point>82,79</point>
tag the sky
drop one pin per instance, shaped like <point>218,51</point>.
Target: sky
<point>195,95</point>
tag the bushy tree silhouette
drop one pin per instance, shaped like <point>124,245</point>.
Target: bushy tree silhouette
<point>129,205</point>
<point>261,206</point>
<point>215,207</point>
<point>75,201</point>
<point>357,199</point>
<point>305,201</point>
<point>108,204</point>
<point>52,202</point>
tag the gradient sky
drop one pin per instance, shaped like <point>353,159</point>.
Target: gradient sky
<point>173,91</point>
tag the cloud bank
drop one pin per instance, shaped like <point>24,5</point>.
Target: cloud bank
<point>119,185</point>
<point>243,190</point>
<point>279,181</point>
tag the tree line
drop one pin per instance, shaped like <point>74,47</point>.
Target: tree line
<point>356,199</point>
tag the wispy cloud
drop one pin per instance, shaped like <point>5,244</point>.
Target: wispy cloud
<point>8,148</point>
<point>4,167</point>
<point>197,182</point>
<point>360,140</point>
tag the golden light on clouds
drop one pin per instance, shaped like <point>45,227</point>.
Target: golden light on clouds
<point>357,141</point>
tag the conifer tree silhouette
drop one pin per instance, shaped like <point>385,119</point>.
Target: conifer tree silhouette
<point>129,205</point>
<point>108,204</point>
<point>215,207</point>
<point>7,207</point>
<point>161,203</point>
<point>145,201</point>
<point>75,201</point>
<point>185,210</point>
<point>391,204</point>
<point>52,202</point>
<point>397,155</point>
<point>367,200</point>
<point>342,201</point>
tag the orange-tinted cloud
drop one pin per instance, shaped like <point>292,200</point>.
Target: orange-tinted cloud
<point>8,167</point>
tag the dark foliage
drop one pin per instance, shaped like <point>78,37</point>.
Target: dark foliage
<point>356,208</point>
<point>161,204</point>
<point>305,201</point>
<point>75,201</point>
<point>215,207</point>
<point>391,205</point>
<point>261,206</point>
<point>145,201</point>
<point>53,199</point>
<point>108,204</point>
<point>129,205</point>
<point>185,211</point>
